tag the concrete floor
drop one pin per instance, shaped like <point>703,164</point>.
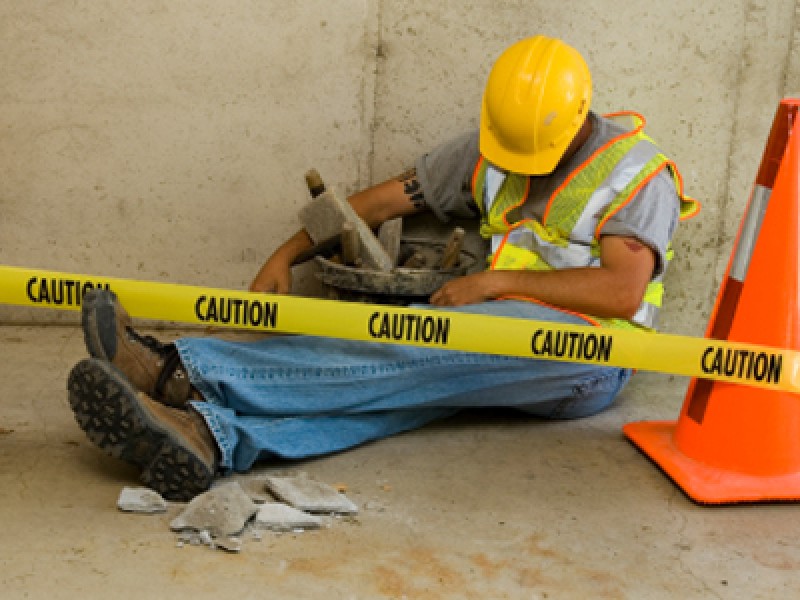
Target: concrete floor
<point>488,505</point>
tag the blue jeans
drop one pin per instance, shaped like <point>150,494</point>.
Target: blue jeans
<point>301,396</point>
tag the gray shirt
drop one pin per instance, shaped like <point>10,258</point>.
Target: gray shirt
<point>445,175</point>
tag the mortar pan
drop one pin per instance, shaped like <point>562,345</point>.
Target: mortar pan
<point>402,283</point>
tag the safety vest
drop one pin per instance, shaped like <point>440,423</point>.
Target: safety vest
<point>568,234</point>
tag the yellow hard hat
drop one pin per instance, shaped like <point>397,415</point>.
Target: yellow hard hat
<point>535,102</point>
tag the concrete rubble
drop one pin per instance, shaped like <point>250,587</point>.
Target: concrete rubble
<point>277,516</point>
<point>254,486</point>
<point>325,216</point>
<point>204,538</point>
<point>309,495</point>
<point>141,500</point>
<point>245,506</point>
<point>223,511</point>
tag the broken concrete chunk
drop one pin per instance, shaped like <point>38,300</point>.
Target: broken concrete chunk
<point>229,544</point>
<point>255,488</point>
<point>141,500</point>
<point>324,217</point>
<point>309,495</point>
<point>389,234</point>
<point>277,516</point>
<point>222,511</point>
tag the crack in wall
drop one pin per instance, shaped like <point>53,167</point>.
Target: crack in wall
<point>757,23</point>
<point>793,47</point>
<point>724,197</point>
<point>373,72</point>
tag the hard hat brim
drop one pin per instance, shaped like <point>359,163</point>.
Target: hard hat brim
<point>543,162</point>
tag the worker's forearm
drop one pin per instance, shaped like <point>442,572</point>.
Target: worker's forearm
<point>589,290</point>
<point>613,289</point>
<point>275,274</point>
<point>398,197</point>
<point>293,247</point>
<point>594,291</point>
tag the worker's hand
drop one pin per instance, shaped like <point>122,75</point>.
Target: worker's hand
<point>470,289</point>
<point>275,277</point>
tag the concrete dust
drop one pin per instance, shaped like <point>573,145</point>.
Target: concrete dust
<point>204,538</point>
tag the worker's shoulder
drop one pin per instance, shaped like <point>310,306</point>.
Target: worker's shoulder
<point>462,148</point>
<point>606,128</point>
<point>466,143</point>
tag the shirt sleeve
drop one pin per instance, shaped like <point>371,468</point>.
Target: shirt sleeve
<point>651,217</point>
<point>445,175</point>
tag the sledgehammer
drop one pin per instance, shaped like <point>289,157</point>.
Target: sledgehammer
<point>324,220</point>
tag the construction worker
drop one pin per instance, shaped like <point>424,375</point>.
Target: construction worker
<point>578,211</point>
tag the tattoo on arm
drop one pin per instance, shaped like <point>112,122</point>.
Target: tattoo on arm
<point>634,245</point>
<point>412,188</point>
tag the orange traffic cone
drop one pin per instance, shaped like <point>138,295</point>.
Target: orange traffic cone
<point>734,443</point>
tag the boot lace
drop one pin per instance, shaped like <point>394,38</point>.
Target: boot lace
<point>149,342</point>
<point>169,355</point>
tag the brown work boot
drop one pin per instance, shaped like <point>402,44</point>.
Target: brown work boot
<point>174,448</point>
<point>151,366</point>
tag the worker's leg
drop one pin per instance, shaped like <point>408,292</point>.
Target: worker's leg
<point>243,440</point>
<point>299,396</point>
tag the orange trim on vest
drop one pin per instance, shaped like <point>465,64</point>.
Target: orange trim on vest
<point>510,208</point>
<point>533,300</point>
<point>500,247</point>
<point>518,204</point>
<point>627,201</point>
<point>602,148</point>
<point>679,177</point>
<point>475,176</point>
<point>628,113</point>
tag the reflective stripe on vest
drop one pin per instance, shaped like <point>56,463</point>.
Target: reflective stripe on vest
<point>575,213</point>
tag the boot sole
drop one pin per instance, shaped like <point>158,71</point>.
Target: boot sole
<point>109,411</point>
<point>94,304</point>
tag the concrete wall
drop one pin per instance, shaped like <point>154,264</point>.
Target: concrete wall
<point>167,140</point>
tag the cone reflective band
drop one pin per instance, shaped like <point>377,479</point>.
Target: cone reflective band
<point>748,364</point>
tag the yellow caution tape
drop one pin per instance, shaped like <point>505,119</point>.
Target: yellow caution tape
<point>733,362</point>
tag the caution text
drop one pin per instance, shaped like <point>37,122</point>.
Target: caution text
<point>571,345</point>
<point>409,328</point>
<point>742,364</point>
<point>60,292</point>
<point>236,311</point>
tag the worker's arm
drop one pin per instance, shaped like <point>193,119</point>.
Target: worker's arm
<point>614,289</point>
<point>397,197</point>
